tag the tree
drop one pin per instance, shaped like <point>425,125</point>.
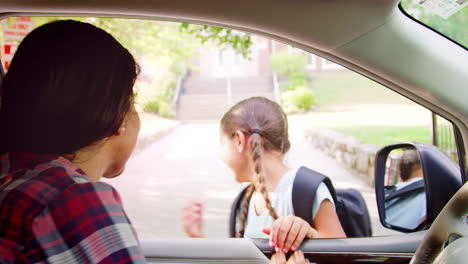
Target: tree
<point>238,41</point>
<point>454,27</point>
<point>168,45</point>
<point>156,38</point>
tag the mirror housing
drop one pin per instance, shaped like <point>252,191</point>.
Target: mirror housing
<point>442,179</point>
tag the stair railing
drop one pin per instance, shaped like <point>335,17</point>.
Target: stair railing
<point>229,91</point>
<point>179,89</point>
<point>276,89</point>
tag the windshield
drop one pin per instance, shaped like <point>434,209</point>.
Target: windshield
<point>448,17</point>
<point>192,74</point>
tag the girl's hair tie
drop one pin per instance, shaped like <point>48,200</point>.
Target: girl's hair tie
<point>256,131</point>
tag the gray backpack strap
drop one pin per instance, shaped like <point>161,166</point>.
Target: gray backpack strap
<point>304,191</point>
<point>235,209</point>
<point>417,186</point>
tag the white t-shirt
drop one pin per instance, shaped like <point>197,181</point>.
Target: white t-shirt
<point>281,200</point>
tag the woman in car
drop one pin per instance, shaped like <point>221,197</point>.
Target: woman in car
<point>68,120</point>
<point>254,138</point>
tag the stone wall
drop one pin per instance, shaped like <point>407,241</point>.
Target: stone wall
<point>351,153</point>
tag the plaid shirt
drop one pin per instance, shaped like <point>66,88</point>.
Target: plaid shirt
<point>51,212</point>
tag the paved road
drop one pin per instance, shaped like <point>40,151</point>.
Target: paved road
<point>185,164</point>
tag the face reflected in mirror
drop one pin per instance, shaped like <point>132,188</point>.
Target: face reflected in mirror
<point>405,197</point>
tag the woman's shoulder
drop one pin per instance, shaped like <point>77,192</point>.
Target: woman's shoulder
<point>41,179</point>
<point>69,186</point>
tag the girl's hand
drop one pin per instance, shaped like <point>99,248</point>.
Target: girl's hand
<point>192,221</point>
<point>288,232</point>
<point>296,258</point>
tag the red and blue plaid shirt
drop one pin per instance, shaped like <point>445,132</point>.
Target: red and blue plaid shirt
<point>51,212</point>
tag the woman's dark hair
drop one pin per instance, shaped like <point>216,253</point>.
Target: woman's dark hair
<point>69,85</point>
<point>267,125</point>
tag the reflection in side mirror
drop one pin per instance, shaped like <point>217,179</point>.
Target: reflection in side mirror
<point>404,194</point>
<point>413,182</point>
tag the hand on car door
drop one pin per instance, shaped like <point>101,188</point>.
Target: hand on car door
<point>192,218</point>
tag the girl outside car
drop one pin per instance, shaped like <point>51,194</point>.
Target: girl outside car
<point>254,140</point>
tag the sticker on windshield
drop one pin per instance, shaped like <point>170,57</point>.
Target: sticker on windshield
<point>443,8</point>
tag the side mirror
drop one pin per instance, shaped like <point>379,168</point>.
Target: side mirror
<point>413,182</point>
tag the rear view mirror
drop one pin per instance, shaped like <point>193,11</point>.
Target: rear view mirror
<point>413,182</point>
<point>404,194</point>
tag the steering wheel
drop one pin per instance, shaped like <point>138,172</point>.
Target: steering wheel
<point>447,238</point>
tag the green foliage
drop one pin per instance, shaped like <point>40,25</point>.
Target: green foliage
<point>454,27</point>
<point>170,44</point>
<point>291,65</point>
<point>161,101</point>
<point>166,110</point>
<point>296,93</point>
<point>143,38</point>
<point>382,136</point>
<point>178,67</point>
<point>168,89</point>
<point>223,37</point>
<point>159,105</point>
<point>151,106</point>
<point>156,38</point>
<point>295,82</point>
<point>298,100</point>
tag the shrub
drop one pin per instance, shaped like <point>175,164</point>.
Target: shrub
<point>160,101</point>
<point>159,105</point>
<point>151,106</point>
<point>166,110</point>
<point>294,83</point>
<point>298,100</point>
<point>289,64</point>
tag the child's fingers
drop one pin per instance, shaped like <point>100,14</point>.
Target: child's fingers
<point>266,230</point>
<point>284,231</point>
<point>193,203</point>
<point>190,215</point>
<point>196,201</point>
<point>274,231</point>
<point>196,209</point>
<point>190,219</point>
<point>297,258</point>
<point>300,237</point>
<point>293,235</point>
<point>194,217</point>
<point>193,227</point>
<point>197,206</point>
<point>191,208</point>
<point>300,258</point>
<point>278,258</point>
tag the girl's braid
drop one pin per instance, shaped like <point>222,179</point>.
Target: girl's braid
<point>256,146</point>
<point>245,209</point>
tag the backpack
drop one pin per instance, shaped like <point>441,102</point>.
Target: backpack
<point>412,188</point>
<point>349,203</point>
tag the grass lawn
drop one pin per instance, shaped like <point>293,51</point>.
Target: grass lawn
<point>340,90</point>
<point>359,107</point>
<point>382,136</point>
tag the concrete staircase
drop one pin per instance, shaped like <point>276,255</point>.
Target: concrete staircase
<point>209,99</point>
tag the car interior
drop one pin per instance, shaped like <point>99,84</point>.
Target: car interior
<point>375,39</point>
